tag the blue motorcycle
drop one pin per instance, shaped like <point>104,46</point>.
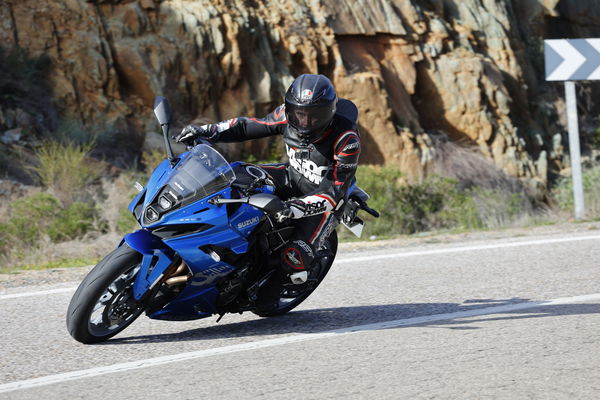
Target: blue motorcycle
<point>208,245</point>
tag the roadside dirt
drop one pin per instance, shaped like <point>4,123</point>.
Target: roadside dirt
<point>75,275</point>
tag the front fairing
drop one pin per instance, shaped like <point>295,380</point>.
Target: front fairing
<point>196,175</point>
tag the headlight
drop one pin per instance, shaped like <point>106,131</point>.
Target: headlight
<point>151,215</point>
<point>164,202</point>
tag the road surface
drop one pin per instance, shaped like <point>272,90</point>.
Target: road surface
<point>503,318</point>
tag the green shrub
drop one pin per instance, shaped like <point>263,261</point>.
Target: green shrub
<point>65,169</point>
<point>41,215</point>
<point>126,223</point>
<point>563,192</point>
<point>382,184</point>
<point>152,158</point>
<point>433,204</point>
<point>72,222</point>
<point>421,203</point>
<point>596,136</point>
<point>30,218</point>
<point>460,211</point>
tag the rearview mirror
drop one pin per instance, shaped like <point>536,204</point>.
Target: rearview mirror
<point>162,110</point>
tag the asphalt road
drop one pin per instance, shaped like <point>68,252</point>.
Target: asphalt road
<point>510,318</point>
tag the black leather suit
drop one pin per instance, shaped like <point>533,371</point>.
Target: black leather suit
<point>317,175</point>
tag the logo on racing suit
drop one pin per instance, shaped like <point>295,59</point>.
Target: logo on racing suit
<point>354,165</point>
<point>317,207</point>
<point>325,233</point>
<point>305,247</point>
<point>307,168</point>
<point>350,146</point>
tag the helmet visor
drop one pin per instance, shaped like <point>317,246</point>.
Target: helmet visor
<point>307,119</point>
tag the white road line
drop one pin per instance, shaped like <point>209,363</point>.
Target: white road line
<point>152,362</point>
<point>466,248</point>
<point>40,293</point>
<point>381,257</point>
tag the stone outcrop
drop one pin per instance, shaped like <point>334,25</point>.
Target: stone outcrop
<point>469,69</point>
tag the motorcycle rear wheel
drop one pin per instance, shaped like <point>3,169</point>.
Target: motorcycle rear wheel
<point>103,304</point>
<point>290,296</point>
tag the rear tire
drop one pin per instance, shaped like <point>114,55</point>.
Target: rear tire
<point>103,304</point>
<point>290,296</point>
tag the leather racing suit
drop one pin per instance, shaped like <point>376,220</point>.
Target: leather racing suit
<point>316,177</point>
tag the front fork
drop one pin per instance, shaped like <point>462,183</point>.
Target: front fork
<point>157,261</point>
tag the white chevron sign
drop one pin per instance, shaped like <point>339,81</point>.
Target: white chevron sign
<point>572,59</point>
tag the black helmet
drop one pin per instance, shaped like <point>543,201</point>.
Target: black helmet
<point>310,104</point>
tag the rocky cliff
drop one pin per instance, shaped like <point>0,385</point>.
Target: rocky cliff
<point>418,70</point>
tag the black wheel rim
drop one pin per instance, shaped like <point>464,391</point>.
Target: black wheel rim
<point>116,307</point>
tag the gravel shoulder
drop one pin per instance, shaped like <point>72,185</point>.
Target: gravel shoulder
<point>55,276</point>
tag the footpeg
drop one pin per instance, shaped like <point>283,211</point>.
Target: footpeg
<point>299,278</point>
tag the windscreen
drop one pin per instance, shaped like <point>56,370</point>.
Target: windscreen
<point>203,172</point>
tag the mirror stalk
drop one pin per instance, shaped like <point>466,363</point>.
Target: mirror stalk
<point>165,129</point>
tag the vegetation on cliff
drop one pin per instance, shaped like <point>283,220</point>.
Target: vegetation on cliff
<point>79,214</point>
<point>458,127</point>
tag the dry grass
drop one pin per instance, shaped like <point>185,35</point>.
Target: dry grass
<point>467,165</point>
<point>46,254</point>
<point>116,196</point>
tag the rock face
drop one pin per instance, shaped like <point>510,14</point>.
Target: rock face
<point>468,69</point>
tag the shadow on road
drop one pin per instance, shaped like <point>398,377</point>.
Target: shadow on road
<point>319,320</point>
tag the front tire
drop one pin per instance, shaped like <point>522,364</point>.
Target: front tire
<point>290,296</point>
<point>103,304</point>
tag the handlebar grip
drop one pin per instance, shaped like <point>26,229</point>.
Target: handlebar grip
<point>368,209</point>
<point>363,206</point>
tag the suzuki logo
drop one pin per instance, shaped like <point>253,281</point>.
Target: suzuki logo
<point>247,223</point>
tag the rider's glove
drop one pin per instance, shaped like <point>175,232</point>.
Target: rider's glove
<point>292,209</point>
<point>190,133</point>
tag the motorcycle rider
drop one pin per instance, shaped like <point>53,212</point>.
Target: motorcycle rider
<point>322,144</point>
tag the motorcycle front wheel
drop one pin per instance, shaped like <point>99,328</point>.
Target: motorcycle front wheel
<point>103,304</point>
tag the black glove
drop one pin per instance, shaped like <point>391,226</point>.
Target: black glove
<point>190,133</point>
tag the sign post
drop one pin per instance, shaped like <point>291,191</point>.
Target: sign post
<point>571,60</point>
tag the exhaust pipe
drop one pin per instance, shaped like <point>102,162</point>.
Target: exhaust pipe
<point>176,277</point>
<point>177,280</point>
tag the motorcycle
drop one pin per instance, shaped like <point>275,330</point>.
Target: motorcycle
<point>208,245</point>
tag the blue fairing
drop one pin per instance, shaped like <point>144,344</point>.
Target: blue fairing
<point>184,230</point>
